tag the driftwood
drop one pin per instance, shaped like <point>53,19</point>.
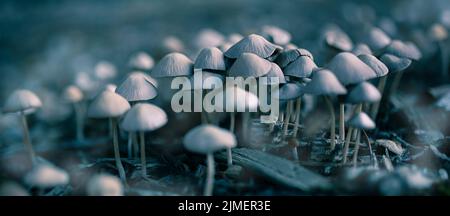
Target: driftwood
<point>277,169</point>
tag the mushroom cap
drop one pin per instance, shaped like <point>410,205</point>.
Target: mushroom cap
<point>141,61</point>
<point>376,38</point>
<point>209,38</point>
<point>72,94</point>
<point>361,121</point>
<point>253,44</point>
<point>109,87</point>
<point>136,87</point>
<point>349,69</point>
<point>335,37</point>
<point>276,35</point>
<point>173,65</point>
<point>364,92</point>
<point>377,66</point>
<point>206,139</point>
<point>242,99</point>
<point>324,82</point>
<point>105,70</point>
<point>289,91</point>
<point>144,117</point>
<point>173,44</point>
<point>108,105</point>
<point>45,175</point>
<point>438,32</point>
<point>301,68</point>
<point>275,71</point>
<point>104,185</point>
<point>210,58</point>
<point>249,65</point>
<point>444,102</point>
<point>290,55</point>
<point>394,63</point>
<point>361,48</point>
<point>22,100</point>
<point>403,50</point>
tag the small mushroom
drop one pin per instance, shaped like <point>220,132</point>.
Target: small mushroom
<point>375,38</point>
<point>211,59</point>
<point>252,44</point>
<point>361,48</point>
<point>336,38</point>
<point>45,175</point>
<point>23,102</point>
<point>290,55</point>
<point>104,185</point>
<point>397,66</point>
<point>209,38</point>
<point>111,105</point>
<point>141,61</point>
<point>300,68</point>
<point>276,35</point>
<point>325,83</point>
<point>360,121</point>
<point>105,70</point>
<point>250,65</point>
<point>439,34</point>
<point>207,139</point>
<point>74,95</point>
<point>141,118</point>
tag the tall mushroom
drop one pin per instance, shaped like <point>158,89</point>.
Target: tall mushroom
<point>325,83</point>
<point>141,118</point>
<point>23,102</point>
<point>349,69</point>
<point>255,44</point>
<point>207,139</point>
<point>360,121</point>
<point>362,93</point>
<point>136,87</point>
<point>141,61</point>
<point>111,105</point>
<point>74,95</point>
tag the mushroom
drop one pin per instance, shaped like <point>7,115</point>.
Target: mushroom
<point>140,118</point>
<point>276,35</point>
<point>250,65</point>
<point>396,66</point>
<point>207,139</point>
<point>362,93</point>
<point>375,38</point>
<point>360,121</point>
<point>209,38</point>
<point>290,55</point>
<point>74,95</point>
<point>361,48</point>
<point>172,44</point>
<point>105,70</point>
<point>111,105</point>
<point>439,34</point>
<point>104,185</point>
<point>325,83</point>
<point>141,61</point>
<point>210,59</point>
<point>252,44</point>
<point>349,69</point>
<point>45,175</point>
<point>336,38</point>
<point>23,102</point>
<point>136,87</point>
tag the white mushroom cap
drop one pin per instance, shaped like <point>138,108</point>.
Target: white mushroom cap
<point>105,70</point>
<point>104,185</point>
<point>253,44</point>
<point>242,99</point>
<point>403,50</point>
<point>141,61</point>
<point>349,69</point>
<point>363,93</point>
<point>394,63</point>
<point>438,32</point>
<point>377,66</point>
<point>173,65</point>
<point>376,38</point>
<point>301,68</point>
<point>289,91</point>
<point>136,87</point>
<point>361,48</point>
<point>324,82</point>
<point>73,94</point>
<point>206,139</point>
<point>335,37</point>
<point>45,175</point>
<point>108,105</point>
<point>144,117</point>
<point>276,35</point>
<point>210,58</point>
<point>209,38</point>
<point>250,65</point>
<point>361,121</point>
<point>12,189</point>
<point>22,100</point>
<point>290,55</point>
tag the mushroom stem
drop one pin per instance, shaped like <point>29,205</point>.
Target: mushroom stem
<point>292,115</point>
<point>347,143</point>
<point>396,82</point>
<point>376,105</point>
<point>355,154</point>
<point>370,146</point>
<point>130,145</point>
<point>143,161</point>
<point>229,155</point>
<point>210,176</point>
<point>79,121</point>
<point>135,144</point>
<point>245,119</point>
<point>113,123</point>
<point>342,121</point>
<point>333,123</point>
<point>26,138</point>
<point>286,119</point>
<point>298,106</point>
